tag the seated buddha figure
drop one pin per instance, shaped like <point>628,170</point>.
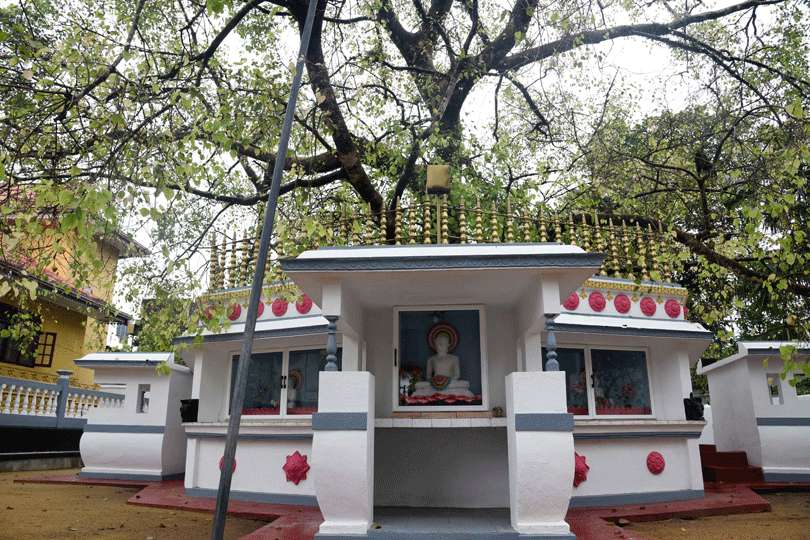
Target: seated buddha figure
<point>442,366</point>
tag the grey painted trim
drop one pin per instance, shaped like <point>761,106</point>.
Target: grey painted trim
<point>382,534</point>
<point>123,476</point>
<point>29,384</point>
<point>445,262</point>
<point>72,423</point>
<point>122,428</point>
<point>769,352</point>
<point>783,421</point>
<point>262,334</point>
<point>544,422</point>
<point>786,477</point>
<point>255,436</point>
<point>27,420</point>
<point>586,328</point>
<point>99,393</point>
<point>340,421</point>
<point>636,434</point>
<point>635,498</point>
<point>253,496</point>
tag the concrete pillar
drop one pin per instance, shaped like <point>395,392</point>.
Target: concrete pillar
<point>351,357</point>
<point>63,386</point>
<point>541,453</point>
<point>343,452</point>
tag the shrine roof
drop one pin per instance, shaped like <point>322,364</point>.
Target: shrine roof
<point>126,359</point>
<point>635,326</point>
<point>265,328</point>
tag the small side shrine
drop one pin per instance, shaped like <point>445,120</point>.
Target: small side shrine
<point>143,438</point>
<point>527,377</point>
<point>756,411</point>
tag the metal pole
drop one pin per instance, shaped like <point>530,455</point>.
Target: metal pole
<point>238,397</point>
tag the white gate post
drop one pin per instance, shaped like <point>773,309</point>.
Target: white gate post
<point>343,452</point>
<point>541,453</point>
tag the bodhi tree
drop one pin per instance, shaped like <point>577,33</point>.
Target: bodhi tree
<point>172,109</point>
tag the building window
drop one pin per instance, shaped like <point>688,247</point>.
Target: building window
<point>605,382</point>
<point>10,350</point>
<point>774,388</point>
<point>43,355</point>
<point>282,382</point>
<point>440,361</point>
<point>802,384</point>
<point>144,395</point>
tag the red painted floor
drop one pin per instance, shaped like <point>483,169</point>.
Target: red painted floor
<point>301,523</point>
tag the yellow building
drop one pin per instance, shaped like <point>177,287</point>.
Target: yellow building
<point>72,321</point>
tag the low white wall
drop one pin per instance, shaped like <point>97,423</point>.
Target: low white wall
<point>707,436</point>
<point>453,467</point>
<point>258,467</point>
<point>619,467</point>
<point>122,454</point>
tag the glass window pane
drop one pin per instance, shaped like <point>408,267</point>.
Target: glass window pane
<point>302,381</point>
<point>572,361</point>
<point>263,392</point>
<point>621,385</point>
<point>440,358</point>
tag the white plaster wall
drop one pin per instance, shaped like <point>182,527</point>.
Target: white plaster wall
<point>707,435</point>
<point>785,449</point>
<point>127,414</point>
<point>174,439</point>
<point>793,406</point>
<point>122,453</point>
<point>501,338</point>
<point>258,466</point>
<point>733,413</point>
<point>619,466</point>
<point>454,467</point>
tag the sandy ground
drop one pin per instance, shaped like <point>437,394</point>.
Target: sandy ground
<point>788,520</point>
<point>70,511</point>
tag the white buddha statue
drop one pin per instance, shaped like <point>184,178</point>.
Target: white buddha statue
<point>443,363</point>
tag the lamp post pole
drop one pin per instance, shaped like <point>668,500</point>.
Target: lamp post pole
<point>238,397</point>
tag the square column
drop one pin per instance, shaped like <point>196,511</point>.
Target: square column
<point>343,452</point>
<point>541,453</point>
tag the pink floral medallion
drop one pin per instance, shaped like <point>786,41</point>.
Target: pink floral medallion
<point>304,304</point>
<point>580,469</point>
<point>597,301</point>
<point>622,303</point>
<point>672,308</point>
<point>655,462</point>
<point>296,467</point>
<point>572,302</point>
<point>235,312</point>
<point>279,307</point>
<point>648,306</point>
<point>222,464</point>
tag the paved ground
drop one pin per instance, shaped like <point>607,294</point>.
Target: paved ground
<point>789,519</point>
<point>72,512</point>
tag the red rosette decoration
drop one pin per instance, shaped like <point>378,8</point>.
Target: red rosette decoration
<point>648,306</point>
<point>222,464</point>
<point>655,462</point>
<point>597,301</point>
<point>580,469</point>
<point>572,302</point>
<point>235,312</point>
<point>304,304</point>
<point>622,303</point>
<point>685,312</point>
<point>673,308</point>
<point>261,309</point>
<point>279,307</point>
<point>296,467</point>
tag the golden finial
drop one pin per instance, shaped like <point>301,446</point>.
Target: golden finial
<point>445,231</point>
<point>641,253</point>
<point>494,234</point>
<point>586,234</point>
<point>213,264</point>
<point>599,244</point>
<point>527,227</point>
<point>411,224</point>
<point>510,233</point>
<point>462,223</point>
<point>223,261</point>
<point>665,253</point>
<point>397,223</point>
<point>656,269</point>
<point>614,254</point>
<point>247,259</point>
<point>426,221</point>
<point>357,231</point>
<point>543,231</point>
<point>479,226</point>
<point>557,229</point>
<point>572,232</point>
<point>233,267</point>
<point>371,227</point>
<point>383,236</point>
<point>626,244</point>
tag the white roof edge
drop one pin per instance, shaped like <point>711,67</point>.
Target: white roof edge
<point>449,250</point>
<point>744,349</point>
<point>629,322</point>
<point>131,356</point>
<point>272,324</point>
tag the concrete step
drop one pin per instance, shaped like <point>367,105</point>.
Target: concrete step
<point>717,473</point>
<point>725,459</point>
